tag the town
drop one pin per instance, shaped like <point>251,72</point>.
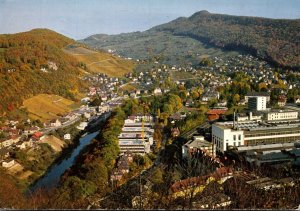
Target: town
<point>251,121</point>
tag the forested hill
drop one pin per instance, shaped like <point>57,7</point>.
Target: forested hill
<point>275,40</point>
<point>33,62</point>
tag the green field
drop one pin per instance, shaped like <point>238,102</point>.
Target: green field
<point>46,107</point>
<point>101,62</point>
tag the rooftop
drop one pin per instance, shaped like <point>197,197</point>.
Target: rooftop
<point>198,143</point>
<point>255,126</point>
<point>265,94</point>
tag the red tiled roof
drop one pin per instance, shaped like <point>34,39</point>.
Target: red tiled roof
<point>197,181</point>
<point>216,111</point>
<point>37,134</point>
<point>213,117</point>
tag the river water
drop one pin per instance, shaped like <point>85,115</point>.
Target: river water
<point>52,176</point>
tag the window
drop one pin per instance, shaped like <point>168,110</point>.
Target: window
<point>239,144</point>
<point>234,137</point>
<point>240,137</point>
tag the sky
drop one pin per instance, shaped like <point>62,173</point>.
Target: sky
<point>79,19</point>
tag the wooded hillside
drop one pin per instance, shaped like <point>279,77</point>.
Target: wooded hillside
<point>32,63</point>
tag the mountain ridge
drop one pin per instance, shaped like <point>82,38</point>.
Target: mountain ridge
<point>274,40</point>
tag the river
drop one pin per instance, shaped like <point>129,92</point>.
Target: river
<point>52,176</point>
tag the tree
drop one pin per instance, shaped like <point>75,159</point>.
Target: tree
<point>96,102</point>
<point>236,99</point>
<point>206,62</point>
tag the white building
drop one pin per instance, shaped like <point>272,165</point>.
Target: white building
<point>258,103</point>
<point>224,136</point>
<point>254,133</point>
<point>281,115</point>
<point>257,94</point>
<point>67,136</point>
<point>132,139</point>
<point>8,163</point>
<point>157,91</point>
<point>82,125</point>
<point>55,123</point>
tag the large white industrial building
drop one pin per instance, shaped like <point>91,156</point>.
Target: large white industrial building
<point>281,115</point>
<point>251,133</point>
<point>136,136</point>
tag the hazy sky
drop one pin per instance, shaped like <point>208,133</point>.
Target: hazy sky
<point>81,18</point>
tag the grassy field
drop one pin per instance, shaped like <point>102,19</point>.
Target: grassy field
<point>45,107</point>
<point>101,62</point>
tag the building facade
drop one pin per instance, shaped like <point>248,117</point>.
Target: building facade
<point>281,115</point>
<point>253,133</point>
<point>223,136</point>
<point>258,103</point>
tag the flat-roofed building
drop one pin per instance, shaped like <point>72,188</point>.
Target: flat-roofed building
<point>257,94</point>
<point>223,136</point>
<point>251,133</point>
<point>137,134</point>
<point>281,115</point>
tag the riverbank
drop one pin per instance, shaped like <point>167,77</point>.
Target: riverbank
<point>67,157</point>
<point>32,163</point>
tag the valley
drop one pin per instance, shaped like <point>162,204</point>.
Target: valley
<point>201,112</point>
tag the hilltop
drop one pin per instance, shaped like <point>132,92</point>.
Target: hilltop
<point>274,40</point>
<point>33,62</point>
<point>42,61</point>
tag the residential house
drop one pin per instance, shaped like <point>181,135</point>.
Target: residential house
<point>194,185</point>
<point>177,116</point>
<point>189,102</point>
<point>157,91</point>
<point>4,153</point>
<point>297,99</point>
<point>31,130</point>
<point>209,95</point>
<point>85,100</point>
<point>281,100</point>
<point>222,103</point>
<point>55,123</point>
<point>36,136</point>
<point>24,144</point>
<point>175,132</point>
<point>8,142</point>
<point>8,163</point>
<point>67,136</point>
<point>104,98</point>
